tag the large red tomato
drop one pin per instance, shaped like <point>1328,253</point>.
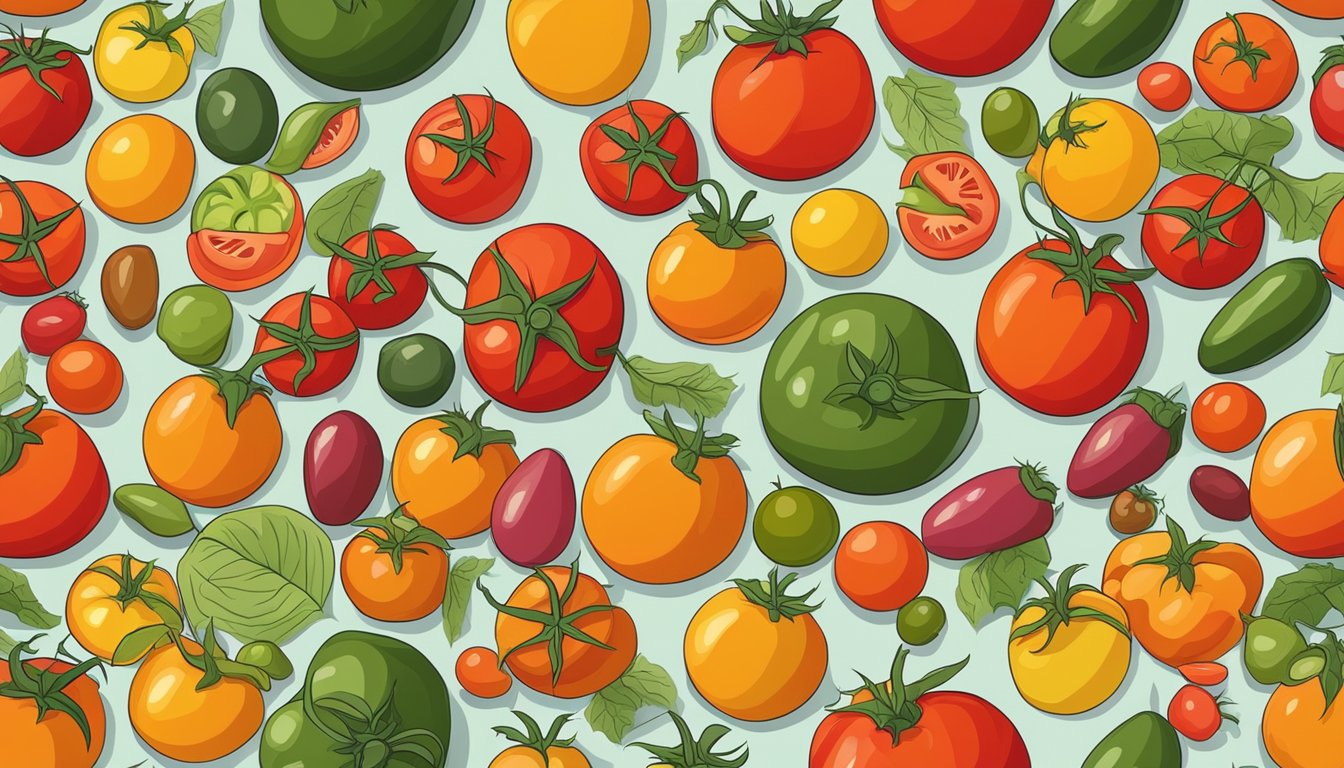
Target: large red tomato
<point>41,238</point>
<point>935,186</point>
<point>44,95</point>
<point>468,170</point>
<point>1062,330</point>
<point>543,311</point>
<point>622,153</point>
<point>375,277</point>
<point>1203,232</point>
<point>965,38</point>
<point>319,342</point>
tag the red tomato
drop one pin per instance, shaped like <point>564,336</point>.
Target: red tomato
<point>468,171</point>
<point>44,90</point>
<point>935,182</point>
<point>313,326</point>
<point>1205,673</point>
<point>84,377</point>
<point>1165,86</point>
<point>1195,713</point>
<point>622,151</point>
<point>966,38</point>
<point>49,227</point>
<point>479,673</point>
<point>51,323</point>
<point>379,287</point>
<point>1327,98</point>
<point>1048,349</point>
<point>570,295</point>
<point>1227,417</point>
<point>1203,232</point>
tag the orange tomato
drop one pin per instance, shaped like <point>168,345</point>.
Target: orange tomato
<point>37,735</point>
<point>1227,416</point>
<point>38,7</point>
<point>1298,730</point>
<point>113,597</point>
<point>1332,245</point>
<point>881,566</point>
<point>395,569</point>
<point>140,168</point>
<point>1317,9</point>
<point>193,453</point>
<point>446,470</point>
<point>653,522</point>
<point>84,377</point>
<point>1189,607</point>
<point>478,672</point>
<point>1297,495</point>
<point>581,668</point>
<point>1246,63</point>
<point>714,295</point>
<point>754,652</point>
<point>539,750</point>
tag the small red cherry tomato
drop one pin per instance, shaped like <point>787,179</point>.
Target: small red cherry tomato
<point>1164,85</point>
<point>1196,714</point>
<point>52,323</point>
<point>84,377</point>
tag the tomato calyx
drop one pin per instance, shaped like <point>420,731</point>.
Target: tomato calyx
<point>533,738</point>
<point>1145,495</point>
<point>1330,58</point>
<point>778,26</point>
<point>919,197</point>
<point>32,230</point>
<point>1179,559</point>
<point>1165,411</point>
<point>1058,612</point>
<point>131,588</point>
<point>878,389</point>
<point>1033,479</point>
<point>1068,131</point>
<point>1201,225</point>
<point>772,595</point>
<point>161,26</point>
<point>373,266</point>
<point>211,660</point>
<point>691,446</point>
<point>401,534</point>
<point>894,706</point>
<point>1243,50</point>
<point>470,434</point>
<point>36,55</point>
<point>642,148</point>
<point>556,625</point>
<point>697,753</point>
<point>45,688</point>
<point>470,147</point>
<point>14,432</point>
<point>304,339</point>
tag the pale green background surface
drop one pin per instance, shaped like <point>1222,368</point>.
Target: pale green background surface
<point>557,193</point>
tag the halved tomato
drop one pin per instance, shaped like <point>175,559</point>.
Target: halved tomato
<point>247,226</point>
<point>240,261</point>
<point>337,137</point>
<point>950,207</point>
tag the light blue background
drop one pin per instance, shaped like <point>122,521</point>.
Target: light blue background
<point>556,192</point>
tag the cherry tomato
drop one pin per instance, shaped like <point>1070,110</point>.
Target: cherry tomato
<point>623,149</point>
<point>468,158</point>
<point>1195,713</point>
<point>881,565</point>
<point>318,325</point>
<point>378,287</point>
<point>479,674</point>
<point>1227,416</point>
<point>1204,673</point>
<point>84,377</point>
<point>52,323</point>
<point>1166,86</point>
<point>935,186</point>
<point>1134,510</point>
<point>1203,232</point>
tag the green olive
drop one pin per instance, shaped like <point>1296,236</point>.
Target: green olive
<point>795,526</point>
<point>1010,123</point>
<point>919,621</point>
<point>416,370</point>
<point>236,115</point>
<point>1270,649</point>
<point>194,322</point>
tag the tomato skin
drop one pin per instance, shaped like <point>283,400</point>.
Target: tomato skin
<point>1297,728</point>
<point>380,592</point>
<point>1220,263</point>
<point>84,377</point>
<point>409,283</point>
<point>1166,86</point>
<point>333,366</point>
<point>1227,416</point>
<point>1194,712</point>
<point>34,122</point>
<point>1332,246</point>
<point>644,194</point>
<point>1327,107</point>
<point>1296,492</point>
<point>52,323</point>
<point>1038,346</point>
<point>58,490</point>
<point>790,117</point>
<point>476,195</point>
<point>955,178</point>
<point>1228,82</point>
<point>881,565</point>
<point>55,739</point>
<point>478,673</point>
<point>63,248</point>
<point>964,38</point>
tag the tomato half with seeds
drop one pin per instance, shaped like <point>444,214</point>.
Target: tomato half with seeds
<point>625,153</point>
<point>246,227</point>
<point>376,278</point>
<point>468,158</point>
<point>41,238</point>
<point>312,345</point>
<point>950,206</point>
<point>1203,232</point>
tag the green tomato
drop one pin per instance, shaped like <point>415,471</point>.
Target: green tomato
<point>1010,123</point>
<point>919,621</point>
<point>246,199</point>
<point>1270,648</point>
<point>416,370</point>
<point>194,322</point>
<point>795,526</point>
<point>867,394</point>
<point>236,116</point>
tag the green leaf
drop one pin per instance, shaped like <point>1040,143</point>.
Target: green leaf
<point>458,596</point>
<point>926,112</point>
<point>344,211</point>
<point>1000,579</point>
<point>261,574</point>
<point>693,43</point>
<point>696,388</point>
<point>13,375</point>
<point>6,643</point>
<point>16,597</point>
<point>1333,380</point>
<point>1300,206</point>
<point>205,26</point>
<point>645,684</point>
<point>1305,595</point>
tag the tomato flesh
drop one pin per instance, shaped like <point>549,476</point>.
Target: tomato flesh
<point>337,138</point>
<point>955,179</point>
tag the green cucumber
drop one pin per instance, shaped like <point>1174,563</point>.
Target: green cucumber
<point>1267,316</point>
<point>1099,38</point>
<point>1145,740</point>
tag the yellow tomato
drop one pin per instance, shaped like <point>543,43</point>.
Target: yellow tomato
<point>579,52</point>
<point>133,57</point>
<point>1083,662</point>
<point>1100,161</point>
<point>109,601</point>
<point>140,169</point>
<point>539,750</point>
<point>840,232</point>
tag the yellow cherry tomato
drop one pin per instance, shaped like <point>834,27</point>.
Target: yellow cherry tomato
<point>142,54</point>
<point>112,598</point>
<point>840,232</point>
<point>1100,159</point>
<point>579,52</point>
<point>140,169</point>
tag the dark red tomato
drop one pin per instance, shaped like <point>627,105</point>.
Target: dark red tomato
<point>1047,348</point>
<point>468,171</point>
<point>378,287</point>
<point>965,38</point>
<point>1203,232</point>
<point>935,187</point>
<point>41,238</point>
<point>1195,713</point>
<point>44,95</point>
<point>789,116</point>
<point>1327,98</point>
<point>1166,86</point>
<point>552,353</point>
<point>319,336</point>
<point>52,323</point>
<point>621,153</point>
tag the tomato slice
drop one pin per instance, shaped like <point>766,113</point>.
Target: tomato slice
<point>951,206</point>
<point>337,137</point>
<point>239,261</point>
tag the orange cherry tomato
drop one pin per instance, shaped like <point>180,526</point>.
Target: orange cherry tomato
<point>881,565</point>
<point>1165,86</point>
<point>479,673</point>
<point>1246,63</point>
<point>84,377</point>
<point>1227,416</point>
<point>395,569</point>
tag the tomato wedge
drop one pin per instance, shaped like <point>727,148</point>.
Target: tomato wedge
<point>337,137</point>
<point>238,261</point>
<point>950,207</point>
